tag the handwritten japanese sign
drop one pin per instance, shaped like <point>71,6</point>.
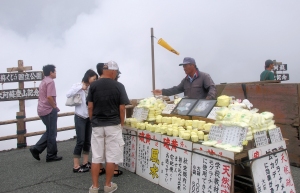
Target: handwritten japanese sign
<point>209,174</point>
<point>213,114</point>
<point>263,150</point>
<point>140,113</point>
<point>18,94</point>
<point>148,155</point>
<point>175,168</point>
<point>216,133</point>
<point>273,174</point>
<point>275,135</point>
<point>260,138</point>
<point>169,108</point>
<point>129,152</point>
<point>234,135</point>
<point>21,76</point>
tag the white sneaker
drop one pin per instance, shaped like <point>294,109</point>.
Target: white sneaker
<point>113,187</point>
<point>93,190</point>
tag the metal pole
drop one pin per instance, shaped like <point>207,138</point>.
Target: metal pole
<point>275,75</point>
<point>152,54</point>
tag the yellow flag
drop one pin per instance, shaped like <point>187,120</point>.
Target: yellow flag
<point>167,46</point>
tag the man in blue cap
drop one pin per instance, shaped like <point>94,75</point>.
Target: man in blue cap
<point>196,84</point>
<point>267,74</point>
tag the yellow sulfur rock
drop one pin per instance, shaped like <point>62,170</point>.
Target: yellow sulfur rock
<point>175,133</point>
<point>186,136</point>
<point>194,138</point>
<point>181,133</point>
<point>223,101</point>
<point>201,135</point>
<point>157,129</point>
<point>153,128</point>
<point>142,126</point>
<point>205,138</point>
<point>195,123</point>
<point>188,122</point>
<point>170,131</point>
<point>200,124</point>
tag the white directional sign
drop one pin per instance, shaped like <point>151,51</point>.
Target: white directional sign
<point>18,94</point>
<point>280,67</point>
<point>282,77</point>
<point>21,76</point>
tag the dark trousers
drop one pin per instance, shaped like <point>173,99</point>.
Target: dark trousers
<point>83,129</point>
<point>48,139</point>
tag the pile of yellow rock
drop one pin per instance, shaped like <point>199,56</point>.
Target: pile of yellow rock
<point>231,113</point>
<point>155,106</point>
<point>241,114</point>
<point>185,129</point>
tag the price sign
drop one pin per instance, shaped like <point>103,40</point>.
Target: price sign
<point>234,135</point>
<point>213,114</point>
<point>215,133</point>
<point>168,109</point>
<point>140,113</point>
<point>275,135</point>
<point>261,138</point>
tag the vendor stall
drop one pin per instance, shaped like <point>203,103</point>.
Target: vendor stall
<point>236,149</point>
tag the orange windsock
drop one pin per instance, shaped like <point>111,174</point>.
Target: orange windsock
<point>167,46</point>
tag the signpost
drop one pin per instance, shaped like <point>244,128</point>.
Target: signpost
<point>17,94</point>
<point>278,66</point>
<point>18,74</point>
<point>17,77</point>
<point>282,77</point>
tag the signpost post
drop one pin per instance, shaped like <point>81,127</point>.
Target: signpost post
<point>19,74</point>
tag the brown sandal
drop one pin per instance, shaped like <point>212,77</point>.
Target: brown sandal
<point>102,171</point>
<point>118,174</point>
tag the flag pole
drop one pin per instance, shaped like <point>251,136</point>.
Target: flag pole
<point>152,54</point>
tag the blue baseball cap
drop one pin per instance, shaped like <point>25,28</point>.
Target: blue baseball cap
<point>188,60</point>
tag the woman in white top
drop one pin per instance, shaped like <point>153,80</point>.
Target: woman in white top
<point>82,122</point>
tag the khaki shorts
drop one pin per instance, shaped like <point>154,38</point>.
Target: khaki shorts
<point>107,144</point>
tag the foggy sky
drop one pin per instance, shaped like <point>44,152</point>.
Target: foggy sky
<point>229,39</point>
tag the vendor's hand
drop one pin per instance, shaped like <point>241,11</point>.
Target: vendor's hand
<point>157,92</point>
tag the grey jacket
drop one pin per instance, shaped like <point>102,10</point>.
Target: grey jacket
<point>200,88</point>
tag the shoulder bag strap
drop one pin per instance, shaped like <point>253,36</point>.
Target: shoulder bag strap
<point>266,75</point>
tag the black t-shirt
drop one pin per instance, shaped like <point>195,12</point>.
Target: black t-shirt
<point>107,95</point>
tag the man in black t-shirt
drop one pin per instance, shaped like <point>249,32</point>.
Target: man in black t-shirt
<point>106,105</point>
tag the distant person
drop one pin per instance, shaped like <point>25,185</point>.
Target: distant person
<point>83,125</point>
<point>47,110</point>
<point>196,85</point>
<point>267,74</point>
<point>106,106</point>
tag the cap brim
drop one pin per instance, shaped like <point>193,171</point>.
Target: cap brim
<point>183,64</point>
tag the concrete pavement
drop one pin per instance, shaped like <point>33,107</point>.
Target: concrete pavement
<point>21,173</point>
